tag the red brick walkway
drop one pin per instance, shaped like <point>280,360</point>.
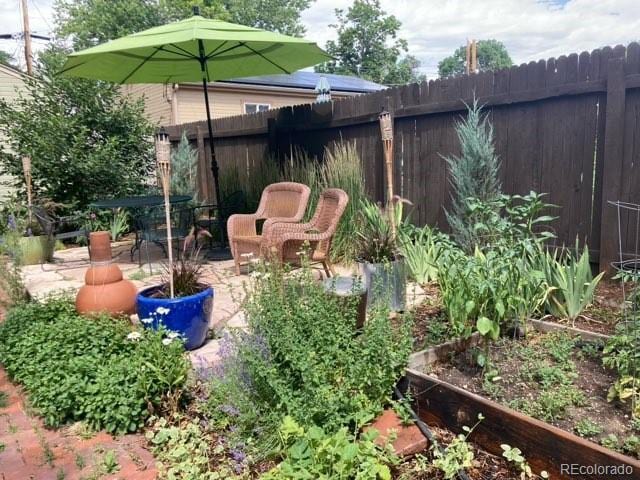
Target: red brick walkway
<point>28,451</point>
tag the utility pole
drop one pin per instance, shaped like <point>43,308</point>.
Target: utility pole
<point>467,63</point>
<point>26,31</point>
<point>474,56</point>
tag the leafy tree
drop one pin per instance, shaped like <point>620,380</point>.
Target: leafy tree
<point>275,15</point>
<point>474,177</point>
<point>85,140</point>
<point>492,55</point>
<point>184,167</point>
<point>6,58</point>
<point>90,22</point>
<point>368,46</point>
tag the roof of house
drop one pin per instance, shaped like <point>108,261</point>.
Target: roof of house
<point>11,70</point>
<point>309,80</point>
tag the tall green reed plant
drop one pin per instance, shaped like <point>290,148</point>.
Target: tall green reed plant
<point>342,168</point>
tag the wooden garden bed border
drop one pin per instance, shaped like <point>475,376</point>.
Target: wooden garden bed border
<point>544,446</point>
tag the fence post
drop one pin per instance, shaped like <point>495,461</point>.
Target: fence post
<point>613,161</point>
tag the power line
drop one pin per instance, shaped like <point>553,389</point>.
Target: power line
<point>33,2</point>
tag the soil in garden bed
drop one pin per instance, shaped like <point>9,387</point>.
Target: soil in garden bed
<point>430,325</point>
<point>552,377</point>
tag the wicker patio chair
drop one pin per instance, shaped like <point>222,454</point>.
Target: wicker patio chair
<point>280,202</point>
<point>285,241</point>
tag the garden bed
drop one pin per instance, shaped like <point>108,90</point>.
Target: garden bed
<point>557,377</point>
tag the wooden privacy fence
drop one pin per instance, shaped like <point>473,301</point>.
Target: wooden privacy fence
<point>569,127</point>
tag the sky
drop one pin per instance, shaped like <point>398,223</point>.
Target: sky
<point>530,29</point>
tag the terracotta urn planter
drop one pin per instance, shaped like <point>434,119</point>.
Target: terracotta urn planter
<point>105,290</point>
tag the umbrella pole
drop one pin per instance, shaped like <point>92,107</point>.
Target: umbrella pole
<point>214,163</point>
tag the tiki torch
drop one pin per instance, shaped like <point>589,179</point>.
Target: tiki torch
<point>26,169</point>
<point>163,157</point>
<point>386,131</point>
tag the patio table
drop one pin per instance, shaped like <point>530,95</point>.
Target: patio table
<point>137,203</point>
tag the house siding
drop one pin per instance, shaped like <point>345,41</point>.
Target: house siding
<point>226,102</point>
<point>11,83</point>
<point>157,101</point>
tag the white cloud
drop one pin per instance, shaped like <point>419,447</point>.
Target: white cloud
<point>530,29</point>
<point>40,22</point>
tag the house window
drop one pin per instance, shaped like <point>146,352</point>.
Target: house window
<point>256,107</point>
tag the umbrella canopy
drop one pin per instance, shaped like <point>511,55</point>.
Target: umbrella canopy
<point>175,53</point>
<point>194,49</point>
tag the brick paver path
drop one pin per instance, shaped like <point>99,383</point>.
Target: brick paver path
<point>29,451</point>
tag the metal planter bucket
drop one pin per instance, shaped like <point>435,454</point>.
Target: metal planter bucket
<point>385,282</point>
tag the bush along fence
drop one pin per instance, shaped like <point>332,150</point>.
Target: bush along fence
<point>568,126</point>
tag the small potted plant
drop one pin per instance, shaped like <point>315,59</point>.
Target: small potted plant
<point>187,311</point>
<point>381,263</point>
<point>26,241</point>
<point>181,303</point>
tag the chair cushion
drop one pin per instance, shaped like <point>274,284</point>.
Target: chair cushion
<point>252,239</point>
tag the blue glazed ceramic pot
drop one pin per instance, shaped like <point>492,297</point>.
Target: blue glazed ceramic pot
<point>188,316</point>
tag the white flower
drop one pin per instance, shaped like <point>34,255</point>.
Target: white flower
<point>300,253</point>
<point>134,336</point>
<point>173,335</point>
<point>146,320</point>
<point>266,275</point>
<point>167,341</point>
<point>255,274</point>
<point>247,255</point>
<point>162,310</point>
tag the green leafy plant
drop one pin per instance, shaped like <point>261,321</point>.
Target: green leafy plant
<point>109,464</point>
<point>514,456</point>
<point>611,441</point>
<point>422,249</point>
<point>621,353</point>
<point>342,168</point>
<point>312,453</point>
<point>185,453</point>
<point>457,455</point>
<point>302,358</point>
<point>572,284</point>
<point>184,166</point>
<point>86,140</point>
<point>119,224</point>
<point>553,372</point>
<point>587,428</point>
<point>95,370</point>
<point>474,177</point>
<point>377,242</point>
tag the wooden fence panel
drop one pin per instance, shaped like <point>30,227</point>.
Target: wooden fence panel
<point>569,127</point>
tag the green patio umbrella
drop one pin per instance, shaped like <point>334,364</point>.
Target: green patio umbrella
<point>191,50</point>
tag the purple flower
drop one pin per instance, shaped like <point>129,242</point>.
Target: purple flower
<point>11,222</point>
<point>229,410</point>
<point>238,455</point>
<point>92,216</point>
